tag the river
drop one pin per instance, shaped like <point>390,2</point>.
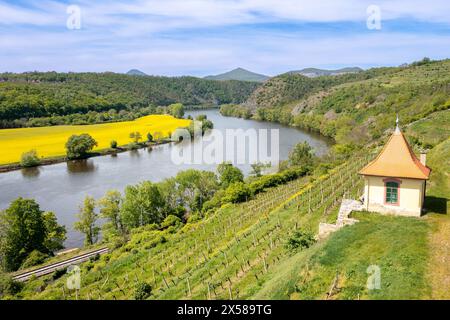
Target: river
<point>62,187</point>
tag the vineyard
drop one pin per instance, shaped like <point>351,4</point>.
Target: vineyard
<point>227,255</point>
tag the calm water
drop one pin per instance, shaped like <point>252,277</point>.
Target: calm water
<point>62,187</point>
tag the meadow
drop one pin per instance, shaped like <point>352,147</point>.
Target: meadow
<point>50,141</point>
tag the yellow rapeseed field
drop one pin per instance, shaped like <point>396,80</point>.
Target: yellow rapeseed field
<point>50,141</point>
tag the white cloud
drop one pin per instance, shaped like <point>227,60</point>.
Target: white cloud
<point>172,36</point>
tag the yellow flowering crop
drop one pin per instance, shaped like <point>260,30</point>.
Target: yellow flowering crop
<point>50,141</point>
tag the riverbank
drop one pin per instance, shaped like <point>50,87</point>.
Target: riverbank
<point>98,153</point>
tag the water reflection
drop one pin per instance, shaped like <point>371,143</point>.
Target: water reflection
<point>79,166</point>
<point>31,173</point>
<point>135,154</point>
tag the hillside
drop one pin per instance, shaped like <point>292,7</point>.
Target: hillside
<point>241,245</point>
<point>354,108</point>
<point>240,251</point>
<point>239,74</point>
<point>136,72</point>
<point>33,95</point>
<point>314,72</point>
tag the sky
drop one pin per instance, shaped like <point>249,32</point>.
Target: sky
<point>202,37</point>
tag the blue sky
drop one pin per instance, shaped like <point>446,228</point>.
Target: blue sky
<point>201,37</point>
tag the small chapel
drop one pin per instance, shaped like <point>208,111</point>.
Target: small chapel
<point>395,181</point>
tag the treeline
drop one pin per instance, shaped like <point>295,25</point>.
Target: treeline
<point>50,94</point>
<point>92,117</point>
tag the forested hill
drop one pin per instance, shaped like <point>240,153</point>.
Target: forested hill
<point>357,108</point>
<point>35,94</point>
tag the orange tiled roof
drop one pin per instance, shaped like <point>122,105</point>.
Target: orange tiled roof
<point>397,160</point>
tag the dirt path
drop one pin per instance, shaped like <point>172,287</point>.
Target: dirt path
<point>439,267</point>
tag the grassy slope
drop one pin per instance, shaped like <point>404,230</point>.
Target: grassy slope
<point>413,254</point>
<point>439,217</point>
<point>397,245</point>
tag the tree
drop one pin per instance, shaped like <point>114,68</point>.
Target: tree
<point>113,144</point>
<point>87,219</point>
<point>24,228</point>
<point>78,146</point>
<point>302,154</point>
<point>196,187</point>
<point>110,210</point>
<point>56,234</point>
<point>229,174</point>
<point>143,204</point>
<point>135,136</point>
<point>30,159</point>
<point>176,110</point>
<point>149,137</point>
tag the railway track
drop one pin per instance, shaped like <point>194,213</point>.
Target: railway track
<point>59,265</point>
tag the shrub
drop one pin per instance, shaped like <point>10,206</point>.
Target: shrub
<point>34,258</point>
<point>143,291</point>
<point>30,159</point>
<point>113,144</point>
<point>237,192</point>
<point>301,239</point>
<point>170,220</point>
<point>78,146</point>
<point>58,273</point>
<point>8,286</point>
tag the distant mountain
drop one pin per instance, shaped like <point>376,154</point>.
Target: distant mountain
<point>314,72</point>
<point>136,72</point>
<point>239,74</point>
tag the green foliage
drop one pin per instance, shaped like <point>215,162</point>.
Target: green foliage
<point>142,204</point>
<point>143,291</point>
<point>8,286</point>
<point>110,211</point>
<point>34,258</point>
<point>176,110</point>
<point>24,228</point>
<point>236,192</point>
<point>51,94</point>
<point>430,131</point>
<point>55,233</point>
<point>301,239</point>
<point>229,174</point>
<point>273,180</point>
<point>87,219</point>
<point>30,159</point>
<point>113,144</point>
<point>171,221</point>
<point>78,146</point>
<point>149,137</point>
<point>195,187</point>
<point>91,117</point>
<point>301,155</point>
